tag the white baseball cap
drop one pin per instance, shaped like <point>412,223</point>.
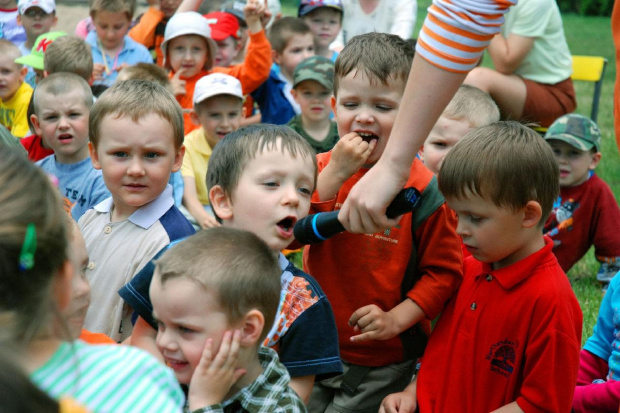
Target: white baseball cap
<point>216,84</point>
<point>189,22</point>
<point>47,6</point>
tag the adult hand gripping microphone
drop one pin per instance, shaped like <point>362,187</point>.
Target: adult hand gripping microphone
<point>321,226</point>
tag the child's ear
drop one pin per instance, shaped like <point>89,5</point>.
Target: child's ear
<point>333,103</point>
<point>276,57</point>
<point>22,73</point>
<point>532,213</point>
<point>178,159</point>
<point>252,328</point>
<point>94,157</point>
<point>221,203</point>
<point>421,153</point>
<point>35,124</point>
<point>19,20</point>
<point>596,158</point>
<point>294,94</point>
<point>194,117</point>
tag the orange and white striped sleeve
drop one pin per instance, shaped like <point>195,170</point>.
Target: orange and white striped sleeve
<point>456,32</point>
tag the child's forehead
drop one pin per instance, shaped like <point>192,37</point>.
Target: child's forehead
<point>7,62</point>
<point>271,155</point>
<point>71,97</point>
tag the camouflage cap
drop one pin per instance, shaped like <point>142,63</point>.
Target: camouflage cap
<point>307,6</point>
<point>576,130</point>
<point>318,68</point>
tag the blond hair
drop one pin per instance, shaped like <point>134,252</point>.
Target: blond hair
<point>113,6</point>
<point>62,83</point>
<point>11,51</point>
<point>235,265</point>
<point>69,54</point>
<point>505,162</point>
<point>136,99</point>
<point>27,305</point>
<point>283,30</point>
<point>378,56</point>
<point>473,106</point>
<point>146,71</point>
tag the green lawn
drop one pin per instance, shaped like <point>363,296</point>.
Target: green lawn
<point>586,36</point>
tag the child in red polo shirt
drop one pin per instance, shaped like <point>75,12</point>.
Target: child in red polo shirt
<point>509,341</point>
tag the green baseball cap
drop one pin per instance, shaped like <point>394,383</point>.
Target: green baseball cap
<point>576,130</point>
<point>318,68</point>
<point>35,58</point>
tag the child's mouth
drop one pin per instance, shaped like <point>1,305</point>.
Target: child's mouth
<point>286,226</point>
<point>367,136</point>
<point>65,137</point>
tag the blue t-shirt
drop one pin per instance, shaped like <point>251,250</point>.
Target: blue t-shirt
<point>131,53</point>
<point>80,184</point>
<point>605,339</point>
<point>304,334</point>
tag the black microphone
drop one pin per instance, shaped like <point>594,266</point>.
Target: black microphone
<point>321,226</point>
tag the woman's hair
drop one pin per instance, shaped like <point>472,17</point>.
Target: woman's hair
<point>33,247</point>
<point>17,393</point>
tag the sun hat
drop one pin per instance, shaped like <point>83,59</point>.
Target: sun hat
<point>37,53</point>
<point>577,130</point>
<point>317,68</point>
<point>48,6</point>
<point>190,22</point>
<point>216,84</point>
<point>222,25</point>
<point>306,6</point>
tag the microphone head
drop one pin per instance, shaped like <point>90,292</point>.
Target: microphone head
<point>303,231</point>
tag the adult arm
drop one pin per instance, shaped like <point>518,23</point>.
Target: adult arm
<point>508,53</point>
<point>438,69</point>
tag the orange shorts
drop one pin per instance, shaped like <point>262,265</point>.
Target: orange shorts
<point>545,103</point>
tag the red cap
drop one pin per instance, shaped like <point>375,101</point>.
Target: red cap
<point>223,25</point>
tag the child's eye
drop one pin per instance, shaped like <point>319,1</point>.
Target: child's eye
<point>185,330</point>
<point>305,191</point>
<point>439,144</point>
<point>121,154</point>
<point>475,219</point>
<point>151,155</point>
<point>51,117</point>
<point>384,108</point>
<point>271,184</point>
<point>349,105</point>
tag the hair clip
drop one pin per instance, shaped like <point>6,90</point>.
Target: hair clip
<point>26,256</point>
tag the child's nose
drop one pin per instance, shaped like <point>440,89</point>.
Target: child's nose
<point>135,168</point>
<point>291,196</point>
<point>364,116</point>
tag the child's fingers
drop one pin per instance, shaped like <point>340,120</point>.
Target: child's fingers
<point>207,356</point>
<point>358,314</point>
<point>370,335</point>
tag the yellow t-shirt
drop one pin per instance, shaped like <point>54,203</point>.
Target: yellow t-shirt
<point>197,154</point>
<point>14,112</point>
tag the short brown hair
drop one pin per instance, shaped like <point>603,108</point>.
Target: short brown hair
<point>146,71</point>
<point>136,99</point>
<point>283,30</point>
<point>69,54</point>
<point>113,6</point>
<point>235,265</point>
<point>505,162</point>
<point>379,56</point>
<point>473,106</point>
<point>232,154</point>
<point>60,84</point>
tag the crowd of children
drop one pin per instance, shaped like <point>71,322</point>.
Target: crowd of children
<point>151,176</point>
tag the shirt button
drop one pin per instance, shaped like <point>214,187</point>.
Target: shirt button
<point>489,277</point>
<point>91,265</point>
<point>107,229</point>
<point>473,306</point>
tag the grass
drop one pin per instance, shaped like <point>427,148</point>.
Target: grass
<point>585,36</point>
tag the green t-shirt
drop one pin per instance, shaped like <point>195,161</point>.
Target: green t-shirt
<point>319,147</point>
